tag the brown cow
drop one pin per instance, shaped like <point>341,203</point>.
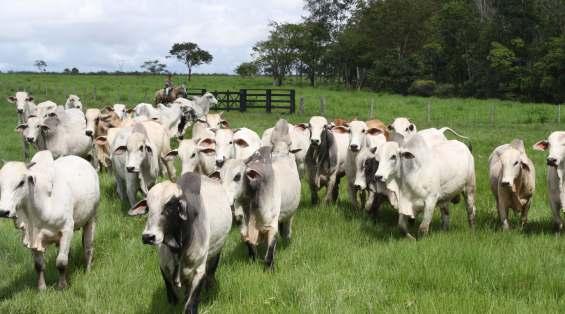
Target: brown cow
<point>176,92</point>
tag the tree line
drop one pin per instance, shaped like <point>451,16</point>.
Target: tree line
<point>511,49</point>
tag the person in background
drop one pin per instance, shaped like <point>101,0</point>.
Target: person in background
<point>168,85</point>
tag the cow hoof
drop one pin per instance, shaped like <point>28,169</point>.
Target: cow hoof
<point>62,285</point>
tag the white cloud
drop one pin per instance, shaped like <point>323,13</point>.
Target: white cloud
<point>106,34</point>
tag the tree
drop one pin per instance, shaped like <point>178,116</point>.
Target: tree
<point>247,69</point>
<point>191,55</point>
<point>74,71</point>
<point>153,66</point>
<point>66,71</point>
<point>277,55</point>
<point>40,65</point>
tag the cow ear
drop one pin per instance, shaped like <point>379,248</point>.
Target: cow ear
<point>44,127</point>
<point>225,124</point>
<point>525,166</point>
<point>120,150</point>
<point>221,113</point>
<point>374,131</point>
<point>206,142</point>
<point>390,127</point>
<point>407,155</point>
<point>294,151</point>
<point>30,164</point>
<point>373,150</point>
<point>252,175</point>
<point>148,148</point>
<point>302,126</point>
<point>182,209</point>
<point>130,110</point>
<point>340,130</point>
<point>541,145</point>
<point>139,209</point>
<point>29,98</point>
<point>108,108</point>
<point>518,145</point>
<point>101,140</point>
<point>52,115</point>
<point>11,99</point>
<point>241,142</point>
<point>172,155</point>
<point>21,127</point>
<point>411,127</point>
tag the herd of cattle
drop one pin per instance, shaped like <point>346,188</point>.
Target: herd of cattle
<point>233,175</point>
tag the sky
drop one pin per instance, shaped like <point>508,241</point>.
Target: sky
<point>111,35</point>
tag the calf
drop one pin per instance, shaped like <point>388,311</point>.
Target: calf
<point>555,144</point>
<point>145,150</point>
<point>97,124</point>
<point>428,177</point>
<point>300,142</point>
<point>196,156</point>
<point>189,222</point>
<point>54,198</point>
<point>74,102</point>
<point>325,159</point>
<point>357,141</point>
<point>400,129</point>
<point>512,180</point>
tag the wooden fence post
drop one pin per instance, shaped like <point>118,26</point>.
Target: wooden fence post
<point>242,100</point>
<point>301,105</point>
<point>429,112</point>
<point>94,93</point>
<point>292,101</point>
<point>371,109</point>
<point>559,113</point>
<point>322,105</point>
<point>268,104</point>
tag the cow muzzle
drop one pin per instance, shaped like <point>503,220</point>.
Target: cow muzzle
<point>148,239</point>
<point>89,133</point>
<point>4,213</point>
<point>132,169</point>
<point>315,141</point>
<point>354,148</point>
<point>552,162</point>
<point>30,139</point>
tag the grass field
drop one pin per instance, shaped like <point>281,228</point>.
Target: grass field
<point>338,260</point>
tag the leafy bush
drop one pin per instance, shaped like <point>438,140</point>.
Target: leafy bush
<point>445,90</point>
<point>422,87</point>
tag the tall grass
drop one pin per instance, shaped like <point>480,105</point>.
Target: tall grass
<point>338,260</point>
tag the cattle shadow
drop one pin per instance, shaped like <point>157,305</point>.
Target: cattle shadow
<point>28,279</point>
<point>160,304</point>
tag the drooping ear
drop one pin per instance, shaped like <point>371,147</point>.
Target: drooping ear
<point>221,114</point>
<point>120,150</point>
<point>130,110</point>
<point>411,127</point>
<point>206,150</point>
<point>148,148</point>
<point>172,155</point>
<point>302,126</point>
<point>373,150</point>
<point>206,142</point>
<point>224,124</point>
<point>541,145</point>
<point>390,127</point>
<point>374,131</point>
<point>406,155</point>
<point>30,164</point>
<point>11,99</point>
<point>139,209</point>
<point>202,120</point>
<point>29,98</point>
<point>252,175</point>
<point>108,108</point>
<point>20,128</point>
<point>524,165</point>
<point>101,140</point>
<point>44,127</point>
<point>294,151</point>
<point>182,209</point>
<point>340,129</point>
<point>241,142</point>
<point>52,115</point>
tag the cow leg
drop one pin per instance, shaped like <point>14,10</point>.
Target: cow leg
<point>285,229</point>
<point>403,225</point>
<point>131,187</point>
<point>39,263</point>
<point>25,146</point>
<point>63,256</point>
<point>251,238</point>
<point>211,268</point>
<point>193,291</point>
<point>470,201</point>
<point>332,180</point>
<point>313,193</point>
<point>363,199</point>
<point>171,170</point>
<point>503,215</point>
<point>429,206</point>
<point>444,216</point>
<point>556,210</point>
<point>121,189</point>
<point>335,190</point>
<point>352,194</point>
<point>171,295</point>
<point>88,241</point>
<point>270,256</point>
<point>524,216</point>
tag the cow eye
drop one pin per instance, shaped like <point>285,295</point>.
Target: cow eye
<point>141,148</point>
<point>393,157</point>
<point>516,163</point>
<point>231,142</point>
<point>237,177</point>
<point>363,131</point>
<point>37,126</point>
<point>193,155</point>
<point>20,184</point>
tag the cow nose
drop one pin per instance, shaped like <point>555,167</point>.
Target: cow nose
<point>148,238</point>
<point>505,183</point>
<point>357,187</point>
<point>29,139</point>
<point>315,141</point>
<point>88,133</point>
<point>20,111</point>
<point>219,163</point>
<point>4,213</point>
<point>552,162</point>
<point>379,177</point>
<point>181,137</point>
<point>354,147</point>
<point>130,169</point>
